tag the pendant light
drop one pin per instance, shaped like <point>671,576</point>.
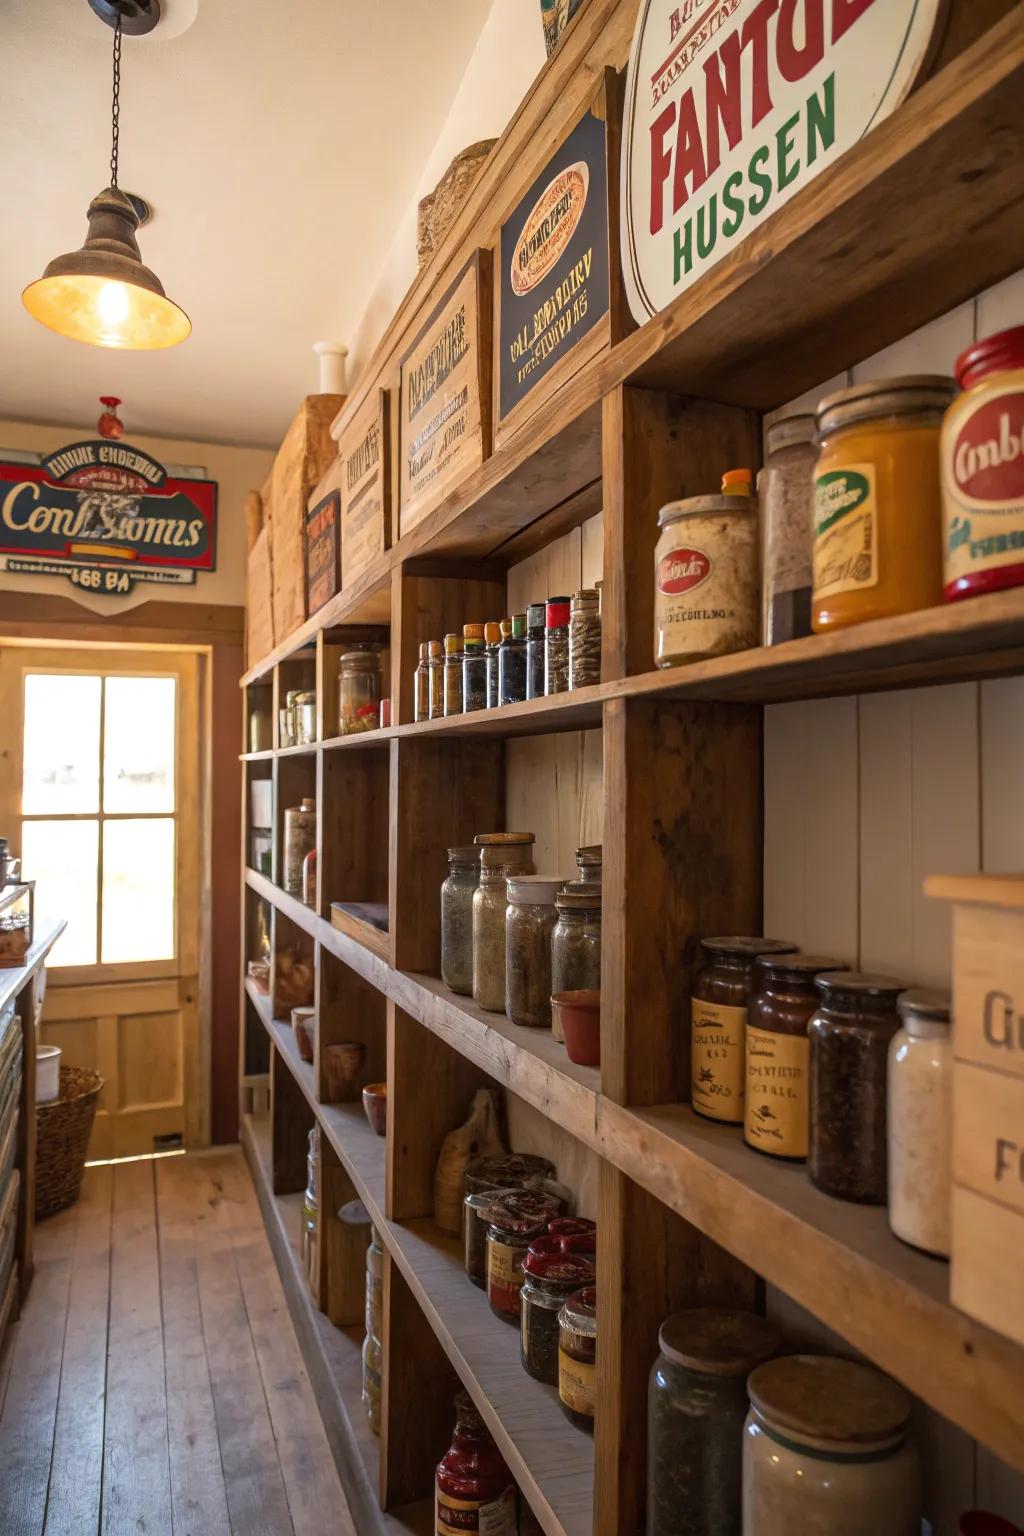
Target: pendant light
<point>102,293</point>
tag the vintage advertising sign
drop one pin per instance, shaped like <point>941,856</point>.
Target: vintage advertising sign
<point>733,106</point>
<point>365,487</point>
<point>445,396</point>
<point>322,574</point>
<point>554,264</point>
<point>105,515</point>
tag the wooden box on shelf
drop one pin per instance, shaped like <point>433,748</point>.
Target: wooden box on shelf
<point>17,904</point>
<point>302,458</point>
<point>987,1280</point>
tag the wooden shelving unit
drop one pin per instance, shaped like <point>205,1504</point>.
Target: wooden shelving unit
<point>687,1213</point>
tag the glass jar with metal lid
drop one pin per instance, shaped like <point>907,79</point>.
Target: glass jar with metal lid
<point>921,1122</point>
<point>707,579</point>
<point>457,918</point>
<point>502,854</point>
<point>512,660</point>
<point>474,668</point>
<point>577,1357</point>
<point>785,489</point>
<point>536,626</point>
<point>516,1218</point>
<point>453,674</point>
<point>718,1021</point>
<point>585,638</point>
<point>877,504</point>
<point>850,1034</point>
<point>826,1448</point>
<point>576,942</point>
<point>588,862</point>
<point>529,923</point>
<point>548,1278</point>
<point>777,1088</point>
<point>358,690</point>
<point>492,647</point>
<point>696,1406</point>
<point>304,717</point>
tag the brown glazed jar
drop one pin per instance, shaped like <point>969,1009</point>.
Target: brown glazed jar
<point>718,1015</point>
<point>776,1106</point>
<point>577,1357</point>
<point>850,1034</point>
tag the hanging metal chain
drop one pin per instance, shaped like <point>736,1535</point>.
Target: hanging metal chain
<point>115,106</point>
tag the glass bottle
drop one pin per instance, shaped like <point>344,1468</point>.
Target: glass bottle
<point>576,944</point>
<point>585,638</point>
<point>512,662</point>
<point>785,489</point>
<point>776,1100</point>
<point>536,628</point>
<point>435,681</point>
<point>473,1488</point>
<point>529,923</point>
<point>492,641</point>
<point>718,1021</point>
<point>457,918</point>
<point>474,668</point>
<point>921,1122</point>
<point>421,684</point>
<point>577,1357</point>
<point>556,645</point>
<point>358,691</point>
<point>548,1278</point>
<point>452,675</point>
<point>501,854</point>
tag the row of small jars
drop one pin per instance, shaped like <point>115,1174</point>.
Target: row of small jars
<point>848,1071</point>
<point>552,647</point>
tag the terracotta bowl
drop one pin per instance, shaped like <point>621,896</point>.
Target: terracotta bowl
<point>579,1016</point>
<point>375,1103</point>
<point>343,1066</point>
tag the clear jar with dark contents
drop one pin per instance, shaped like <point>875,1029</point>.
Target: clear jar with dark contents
<point>850,1035</point>
<point>474,668</point>
<point>529,923</point>
<point>457,918</point>
<point>718,1014</point>
<point>476,1218</point>
<point>548,1279</point>
<point>484,1177</point>
<point>777,1091</point>
<point>577,1357</point>
<point>512,661</point>
<point>536,627</point>
<point>516,1217</point>
<point>556,645</point>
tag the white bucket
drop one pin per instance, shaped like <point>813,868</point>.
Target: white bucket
<point>47,1073</point>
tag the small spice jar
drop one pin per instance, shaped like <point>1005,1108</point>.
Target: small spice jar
<point>785,489</point>
<point>577,1357</point>
<point>529,923</point>
<point>706,578</point>
<point>476,1218</point>
<point>576,943</point>
<point>588,862</point>
<point>453,674</point>
<point>556,645</point>
<point>492,642</point>
<point>536,628</point>
<point>585,638</point>
<point>512,661</point>
<point>299,839</point>
<point>473,1488</point>
<point>982,469</point>
<point>877,507</point>
<point>718,1020</point>
<point>921,1122</point>
<point>421,683</point>
<point>516,1218</point>
<point>696,1407</point>
<point>850,1035</point>
<point>358,690</point>
<point>304,718</point>
<point>776,1111</point>
<point>548,1279</point>
<point>474,668</point>
<point>826,1448</point>
<point>435,680</point>
<point>457,918</point>
<point>502,854</point>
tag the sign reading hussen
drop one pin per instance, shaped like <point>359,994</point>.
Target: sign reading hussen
<point>105,515</point>
<point>732,106</point>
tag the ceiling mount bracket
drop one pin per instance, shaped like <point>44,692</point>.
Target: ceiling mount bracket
<point>137,16</point>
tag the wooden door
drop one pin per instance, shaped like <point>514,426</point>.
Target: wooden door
<point>100,794</point>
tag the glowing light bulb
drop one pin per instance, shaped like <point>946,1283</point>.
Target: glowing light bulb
<point>113,304</point>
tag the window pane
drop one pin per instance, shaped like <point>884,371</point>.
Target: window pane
<point>62,745</point>
<point>138,744</point>
<point>138,890</point>
<point>61,857</point>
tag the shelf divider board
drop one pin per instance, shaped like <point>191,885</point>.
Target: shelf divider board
<point>429,599</point>
<point>417,1396</point>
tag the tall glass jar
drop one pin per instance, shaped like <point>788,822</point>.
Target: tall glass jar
<point>512,661</point>
<point>718,1021</point>
<point>358,691</point>
<point>473,1488</point>
<point>576,944</point>
<point>577,1357</point>
<point>850,1035</point>
<point>457,918</point>
<point>517,1217</point>
<point>536,627</point>
<point>826,1448</point>
<point>529,923</point>
<point>492,645</point>
<point>585,638</point>
<point>921,1122</point>
<point>588,862</point>
<point>435,680</point>
<point>696,1407</point>
<point>304,717</point>
<point>776,1111</point>
<point>474,668</point>
<point>556,645</point>
<point>299,838</point>
<point>785,489</point>
<point>421,683</point>
<point>548,1279</point>
<point>453,674</point>
<point>502,854</point>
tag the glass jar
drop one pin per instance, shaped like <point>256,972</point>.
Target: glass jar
<point>982,469</point>
<point>508,1170</point>
<point>492,643</point>
<point>785,490</point>
<point>476,1218</point>
<point>718,1021</point>
<point>474,668</point>
<point>707,579</point>
<point>826,1449</point>
<point>577,1357</point>
<point>309,878</point>
<point>421,684</point>
<point>536,628</point>
<point>299,838</point>
<point>877,508</point>
<point>286,719</point>
<point>358,691</point>
<point>304,716</point>
<point>512,661</point>
<point>260,739</point>
<point>696,1407</point>
<point>576,945</point>
<point>517,1217</point>
<point>435,680</point>
<point>457,918</point>
<point>588,862</point>
<point>556,645</point>
<point>548,1279</point>
<point>501,854</point>
<point>585,638</point>
<point>529,923</point>
<point>776,1111</point>
<point>473,1488</point>
<point>850,1035</point>
<point>372,1352</point>
<point>453,675</point>
<point>921,1122</point>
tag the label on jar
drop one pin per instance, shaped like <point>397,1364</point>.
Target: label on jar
<point>504,1276</point>
<point>492,1517</point>
<point>776,1110</point>
<point>983,485</point>
<point>577,1383</point>
<point>845,531</point>
<point>717,1062</point>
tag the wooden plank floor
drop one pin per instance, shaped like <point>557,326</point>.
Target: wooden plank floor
<point>153,1384</point>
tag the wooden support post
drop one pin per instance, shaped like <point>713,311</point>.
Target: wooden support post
<point>418,1389</point>
<point>291,1121</point>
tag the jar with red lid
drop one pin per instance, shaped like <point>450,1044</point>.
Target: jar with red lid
<point>516,1219</point>
<point>473,1488</point>
<point>982,470</point>
<point>575,1234</point>
<point>548,1278</point>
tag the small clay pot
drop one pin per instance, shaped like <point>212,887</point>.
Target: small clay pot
<point>304,1025</point>
<point>343,1066</point>
<point>375,1103</point>
<point>979,1523</point>
<point>579,1018</point>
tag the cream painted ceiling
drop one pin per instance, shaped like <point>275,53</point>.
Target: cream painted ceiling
<point>278,141</point>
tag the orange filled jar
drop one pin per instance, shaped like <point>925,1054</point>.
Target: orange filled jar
<point>877,503</point>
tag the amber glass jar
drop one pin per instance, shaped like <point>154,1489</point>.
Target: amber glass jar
<point>516,1219</point>
<point>502,854</point>
<point>877,506</point>
<point>776,1099</point>
<point>548,1278</point>
<point>474,1489</point>
<point>529,923</point>
<point>850,1034</point>
<point>577,1357</point>
<point>718,1017</point>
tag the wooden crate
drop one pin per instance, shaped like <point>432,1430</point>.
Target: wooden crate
<point>259,602</point>
<point>302,459</point>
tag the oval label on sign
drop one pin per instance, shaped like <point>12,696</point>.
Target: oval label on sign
<point>681,570</point>
<point>732,106</point>
<point>987,458</point>
<point>549,227</point>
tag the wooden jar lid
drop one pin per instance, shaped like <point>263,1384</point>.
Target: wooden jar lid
<point>718,1341</point>
<point>828,1399</point>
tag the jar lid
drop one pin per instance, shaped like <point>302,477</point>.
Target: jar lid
<point>718,1341</point>
<point>859,981</point>
<point>435,648</point>
<point>536,615</point>
<point>307,696</point>
<point>570,1270</point>
<point>803,967</point>
<point>737,482</point>
<point>533,890</point>
<point>291,696</point>
<point>556,612</point>
<point>580,1310</point>
<point>789,431</point>
<point>508,1170</point>
<point>930,1003</point>
<point>906,396</point>
<point>492,632</point>
<point>466,853</point>
<point>571,1226</point>
<point>584,897</point>
<point>746,948</point>
<point>829,1399</point>
<point>703,506</point>
<point>354,1214</point>
<point>587,857</point>
<point>992,355</point>
<point>519,626</point>
<point>980,1522</point>
<point>481,1200</point>
<point>503,839</point>
<point>473,632</point>
<point>580,1242</point>
<point>452,645</point>
<point>523,1211</point>
<point>505,625</point>
<point>586,597</point>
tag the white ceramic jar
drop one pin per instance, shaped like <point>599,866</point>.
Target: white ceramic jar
<point>921,1122</point>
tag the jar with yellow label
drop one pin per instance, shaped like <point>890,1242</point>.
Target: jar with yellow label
<point>776,1103</point>
<point>718,1015</point>
<point>577,1356</point>
<point>877,507</point>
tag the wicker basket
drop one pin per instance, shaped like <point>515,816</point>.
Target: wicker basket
<point>63,1129</point>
